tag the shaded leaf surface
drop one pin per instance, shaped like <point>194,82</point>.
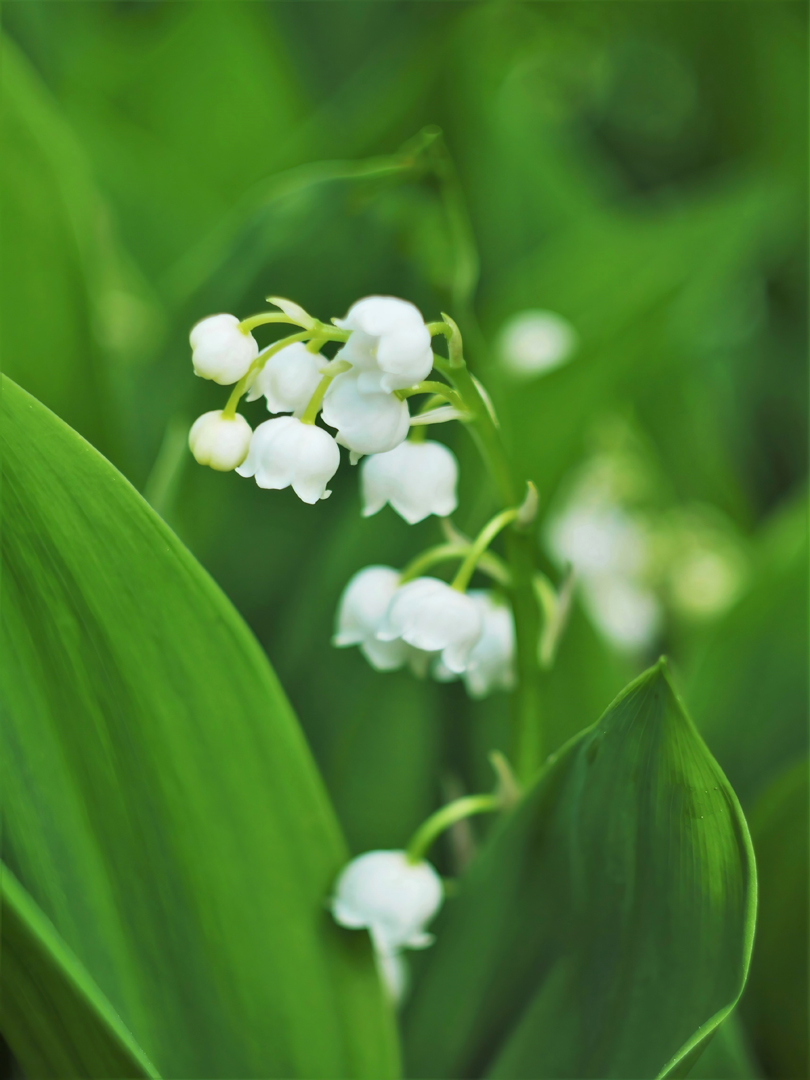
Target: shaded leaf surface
<point>46,989</point>
<point>776,999</point>
<point>161,807</point>
<point>607,926</point>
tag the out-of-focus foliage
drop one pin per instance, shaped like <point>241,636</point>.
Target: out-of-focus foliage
<point>168,838</point>
<point>639,169</point>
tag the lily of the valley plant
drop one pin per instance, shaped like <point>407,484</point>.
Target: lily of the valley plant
<point>488,637</point>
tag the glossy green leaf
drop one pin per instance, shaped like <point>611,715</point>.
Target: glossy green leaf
<point>776,1005</point>
<point>606,929</point>
<point>161,807</point>
<point>46,989</point>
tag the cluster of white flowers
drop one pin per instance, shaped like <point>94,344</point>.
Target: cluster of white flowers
<point>388,349</point>
<point>385,352</point>
<point>394,899</point>
<point>427,624</point>
<point>396,618</point>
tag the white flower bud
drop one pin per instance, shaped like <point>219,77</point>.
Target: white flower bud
<point>367,423</point>
<point>362,606</point>
<point>431,615</point>
<point>390,345</point>
<point>219,442</point>
<point>417,479</point>
<point>492,659</point>
<point>284,452</point>
<point>289,379</point>
<point>390,896</point>
<point>533,342</point>
<point>220,351</point>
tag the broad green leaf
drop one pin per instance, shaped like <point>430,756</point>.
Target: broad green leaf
<point>775,1005</point>
<point>161,807</point>
<point>606,928</point>
<point>53,992</point>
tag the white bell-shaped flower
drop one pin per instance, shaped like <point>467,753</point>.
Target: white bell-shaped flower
<point>390,345</point>
<point>367,423</point>
<point>287,453</point>
<point>491,665</point>
<point>393,898</point>
<point>416,478</point>
<point>361,610</point>
<point>218,441</point>
<point>220,350</point>
<point>289,379</point>
<point>431,615</point>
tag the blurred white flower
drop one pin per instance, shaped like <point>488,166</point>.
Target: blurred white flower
<point>367,423</point>
<point>627,614</point>
<point>533,342</point>
<point>220,351</point>
<point>492,660</point>
<point>598,538</point>
<point>610,552</point>
<point>431,615</point>
<point>360,613</point>
<point>390,346</point>
<point>285,452</point>
<point>289,379</point>
<point>416,478</point>
<point>218,441</point>
<point>394,899</point>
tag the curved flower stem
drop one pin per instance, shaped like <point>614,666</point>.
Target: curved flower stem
<point>337,367</point>
<point>266,317</point>
<point>437,389</point>
<point>445,817</point>
<point>439,553</point>
<point>480,545</point>
<point>527,743</point>
<point>230,408</point>
<point>488,563</point>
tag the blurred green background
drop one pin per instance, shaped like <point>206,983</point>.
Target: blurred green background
<point>639,169</point>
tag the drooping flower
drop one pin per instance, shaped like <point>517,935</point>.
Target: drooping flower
<point>288,453</point>
<point>491,665</point>
<point>289,379</point>
<point>220,350</point>
<point>390,345</point>
<point>416,478</point>
<point>361,610</point>
<point>219,441</point>
<point>367,423</point>
<point>395,900</point>
<point>431,615</point>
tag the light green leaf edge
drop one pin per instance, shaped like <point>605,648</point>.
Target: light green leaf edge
<point>681,1062</point>
<point>29,941</point>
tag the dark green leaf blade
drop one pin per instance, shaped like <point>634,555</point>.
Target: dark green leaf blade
<point>161,806</point>
<point>776,1002</point>
<point>52,991</point>
<point>606,929</point>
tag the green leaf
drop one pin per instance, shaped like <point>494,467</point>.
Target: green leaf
<point>53,992</point>
<point>606,929</point>
<point>775,1005</point>
<point>727,1055</point>
<point>161,806</point>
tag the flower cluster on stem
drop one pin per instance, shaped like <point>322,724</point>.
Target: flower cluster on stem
<point>490,638</point>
